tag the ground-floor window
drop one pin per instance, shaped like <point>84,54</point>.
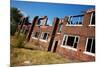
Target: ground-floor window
<point>90,45</point>
<point>44,36</point>
<point>70,40</point>
<point>36,34</point>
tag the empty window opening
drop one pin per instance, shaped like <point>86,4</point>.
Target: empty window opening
<point>90,46</point>
<point>42,20</point>
<point>75,20</point>
<point>71,41</point>
<point>60,27</point>
<point>36,34</point>
<point>92,21</point>
<point>44,36</point>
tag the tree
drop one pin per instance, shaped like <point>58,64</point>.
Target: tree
<point>15,17</point>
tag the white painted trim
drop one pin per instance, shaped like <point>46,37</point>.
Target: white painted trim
<point>52,48</point>
<point>58,42</point>
<point>88,53</point>
<point>39,39</point>
<point>68,47</point>
<point>63,40</point>
<point>34,38</point>
<point>43,40</point>
<point>91,25</point>
<point>58,33</point>
<point>91,44</point>
<point>74,25</point>
<point>90,48</point>
<point>70,18</point>
<point>91,20</point>
<point>86,44</point>
<point>42,35</point>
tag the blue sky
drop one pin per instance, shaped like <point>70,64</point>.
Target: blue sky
<point>51,10</point>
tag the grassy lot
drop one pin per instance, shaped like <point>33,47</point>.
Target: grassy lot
<point>21,56</point>
<point>31,54</point>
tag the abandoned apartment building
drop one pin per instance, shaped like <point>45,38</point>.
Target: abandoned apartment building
<point>72,36</point>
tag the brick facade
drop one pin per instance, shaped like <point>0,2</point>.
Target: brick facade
<point>55,39</point>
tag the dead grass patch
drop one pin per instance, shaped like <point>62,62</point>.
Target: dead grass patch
<point>20,55</point>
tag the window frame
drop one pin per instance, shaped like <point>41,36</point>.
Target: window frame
<point>42,36</point>
<point>67,46</point>
<point>33,35</point>
<point>74,24</point>
<point>90,24</point>
<point>60,26</point>
<point>85,51</point>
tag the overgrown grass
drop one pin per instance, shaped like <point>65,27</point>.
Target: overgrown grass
<point>20,55</point>
<point>34,45</point>
<point>18,41</point>
<point>31,54</point>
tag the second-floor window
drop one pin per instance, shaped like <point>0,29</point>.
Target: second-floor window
<point>60,27</point>
<point>92,20</point>
<point>76,20</point>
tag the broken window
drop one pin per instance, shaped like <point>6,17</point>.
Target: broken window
<point>76,20</point>
<point>60,27</point>
<point>90,46</point>
<point>64,41</point>
<point>71,41</point>
<point>44,36</point>
<point>36,34</point>
<point>42,20</point>
<point>92,21</point>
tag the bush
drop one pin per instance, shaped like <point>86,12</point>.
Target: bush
<point>13,29</point>
<point>18,41</point>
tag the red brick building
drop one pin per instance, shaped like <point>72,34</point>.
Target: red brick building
<point>72,36</point>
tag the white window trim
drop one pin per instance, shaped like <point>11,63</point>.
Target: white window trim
<point>54,44</point>
<point>42,34</point>
<point>43,40</point>
<point>86,52</point>
<point>91,25</point>
<point>34,38</point>
<point>60,29</point>
<point>39,39</point>
<point>69,47</point>
<point>91,20</point>
<point>58,33</point>
<point>74,24</point>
